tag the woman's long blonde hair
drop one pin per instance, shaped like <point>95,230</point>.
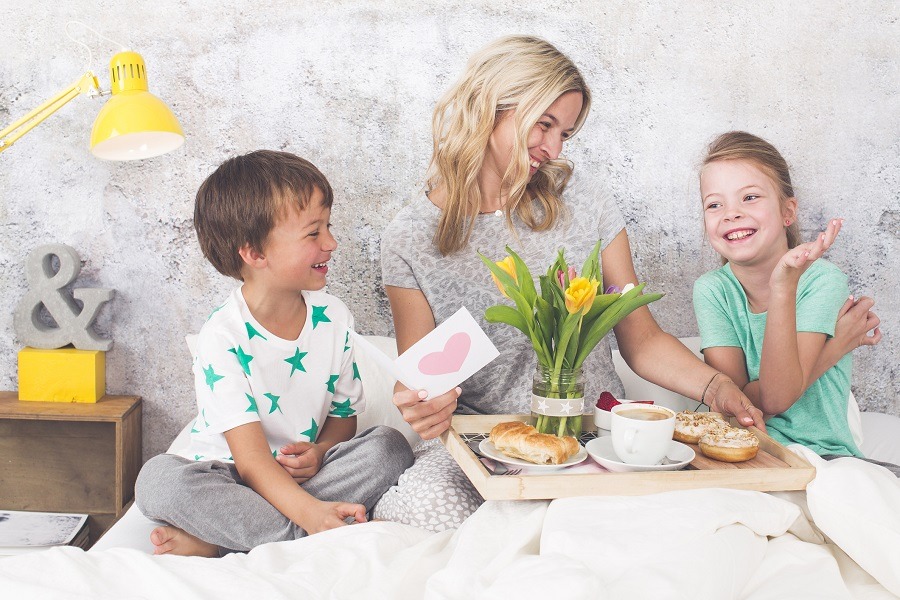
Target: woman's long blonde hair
<point>521,73</point>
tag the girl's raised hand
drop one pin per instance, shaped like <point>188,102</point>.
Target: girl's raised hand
<point>795,262</point>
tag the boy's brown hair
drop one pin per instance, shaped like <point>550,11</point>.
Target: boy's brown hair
<point>240,202</point>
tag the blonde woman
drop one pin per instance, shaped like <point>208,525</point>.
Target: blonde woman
<point>496,178</point>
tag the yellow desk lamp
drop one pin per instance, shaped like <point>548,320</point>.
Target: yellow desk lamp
<point>132,125</point>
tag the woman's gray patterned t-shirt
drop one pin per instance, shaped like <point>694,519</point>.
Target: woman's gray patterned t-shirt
<point>409,259</point>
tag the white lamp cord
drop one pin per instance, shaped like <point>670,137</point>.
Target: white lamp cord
<point>88,48</point>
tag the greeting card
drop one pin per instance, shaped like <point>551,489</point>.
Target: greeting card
<point>451,353</point>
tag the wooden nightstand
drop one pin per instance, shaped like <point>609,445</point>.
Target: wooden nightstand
<point>70,456</point>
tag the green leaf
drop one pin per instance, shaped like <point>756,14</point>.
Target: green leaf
<point>526,281</point>
<point>569,325</point>
<point>572,348</point>
<point>547,284</point>
<point>512,289</point>
<point>601,303</point>
<point>611,317</point>
<point>546,321</point>
<point>501,313</point>
<point>504,277</point>
<point>591,267</point>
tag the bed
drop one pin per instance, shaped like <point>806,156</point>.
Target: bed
<point>839,539</point>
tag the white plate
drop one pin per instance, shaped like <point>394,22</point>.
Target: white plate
<point>601,450</point>
<point>487,448</point>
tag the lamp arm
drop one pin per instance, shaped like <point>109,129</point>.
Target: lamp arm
<point>86,84</point>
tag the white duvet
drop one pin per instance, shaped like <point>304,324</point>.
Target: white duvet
<point>841,539</point>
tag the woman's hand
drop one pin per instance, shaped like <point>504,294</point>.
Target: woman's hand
<point>428,419</point>
<point>855,321</point>
<point>728,399</point>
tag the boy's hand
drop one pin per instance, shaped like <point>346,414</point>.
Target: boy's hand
<point>301,460</point>
<point>795,262</point>
<point>429,419</point>
<point>323,516</point>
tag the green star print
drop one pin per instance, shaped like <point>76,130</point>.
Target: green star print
<point>330,383</point>
<point>312,431</point>
<point>274,400</point>
<point>347,342</point>
<point>242,358</point>
<point>211,377</point>
<point>356,372</point>
<point>252,407</point>
<point>319,316</point>
<point>251,332</point>
<point>296,361</point>
<point>341,409</point>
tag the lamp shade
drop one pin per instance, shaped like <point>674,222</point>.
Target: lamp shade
<point>133,124</point>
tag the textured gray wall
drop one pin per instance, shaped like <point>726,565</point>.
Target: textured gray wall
<point>350,85</point>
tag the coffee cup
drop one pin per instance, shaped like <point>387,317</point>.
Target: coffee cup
<point>641,433</point>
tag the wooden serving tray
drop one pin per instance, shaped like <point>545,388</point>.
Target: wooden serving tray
<point>775,468</point>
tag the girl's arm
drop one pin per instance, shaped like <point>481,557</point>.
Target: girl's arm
<point>413,319</point>
<point>257,467</point>
<point>789,358</point>
<point>855,321</point>
<point>661,358</point>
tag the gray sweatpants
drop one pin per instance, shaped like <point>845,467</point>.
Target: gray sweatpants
<point>209,499</point>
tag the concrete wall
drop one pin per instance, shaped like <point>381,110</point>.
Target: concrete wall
<point>351,84</point>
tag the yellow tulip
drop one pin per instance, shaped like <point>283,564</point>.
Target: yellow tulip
<point>508,265</point>
<point>580,294</point>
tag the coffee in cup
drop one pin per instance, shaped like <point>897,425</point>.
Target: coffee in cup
<point>645,415</point>
<point>641,433</point>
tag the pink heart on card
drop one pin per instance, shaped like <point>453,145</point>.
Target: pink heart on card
<point>448,360</point>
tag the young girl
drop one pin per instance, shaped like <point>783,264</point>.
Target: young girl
<point>767,316</point>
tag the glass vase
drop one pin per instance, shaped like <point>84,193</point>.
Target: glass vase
<point>557,401</point>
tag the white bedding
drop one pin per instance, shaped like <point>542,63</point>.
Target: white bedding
<point>692,544</point>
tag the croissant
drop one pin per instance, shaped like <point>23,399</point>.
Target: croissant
<point>523,441</point>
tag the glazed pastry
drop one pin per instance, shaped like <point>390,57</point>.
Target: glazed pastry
<point>691,426</point>
<point>523,441</point>
<point>729,445</point>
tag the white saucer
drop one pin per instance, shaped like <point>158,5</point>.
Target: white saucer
<point>601,450</point>
<point>487,448</point>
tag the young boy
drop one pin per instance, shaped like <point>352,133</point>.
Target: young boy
<point>277,387</point>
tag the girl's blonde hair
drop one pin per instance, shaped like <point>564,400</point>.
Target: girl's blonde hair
<point>521,73</point>
<point>740,145</point>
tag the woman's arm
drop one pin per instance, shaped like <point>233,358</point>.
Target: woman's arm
<point>413,320</point>
<point>855,320</point>
<point>659,357</point>
<point>267,478</point>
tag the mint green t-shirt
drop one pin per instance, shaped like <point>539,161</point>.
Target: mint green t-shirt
<point>818,420</point>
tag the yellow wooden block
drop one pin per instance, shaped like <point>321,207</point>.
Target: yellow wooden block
<point>62,375</point>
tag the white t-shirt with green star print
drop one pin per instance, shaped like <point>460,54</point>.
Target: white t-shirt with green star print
<point>244,373</point>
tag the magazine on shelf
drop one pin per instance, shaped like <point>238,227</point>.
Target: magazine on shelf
<point>26,531</point>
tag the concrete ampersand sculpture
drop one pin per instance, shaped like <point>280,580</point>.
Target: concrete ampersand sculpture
<point>46,287</point>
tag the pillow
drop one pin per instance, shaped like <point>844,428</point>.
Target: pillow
<point>882,437</point>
